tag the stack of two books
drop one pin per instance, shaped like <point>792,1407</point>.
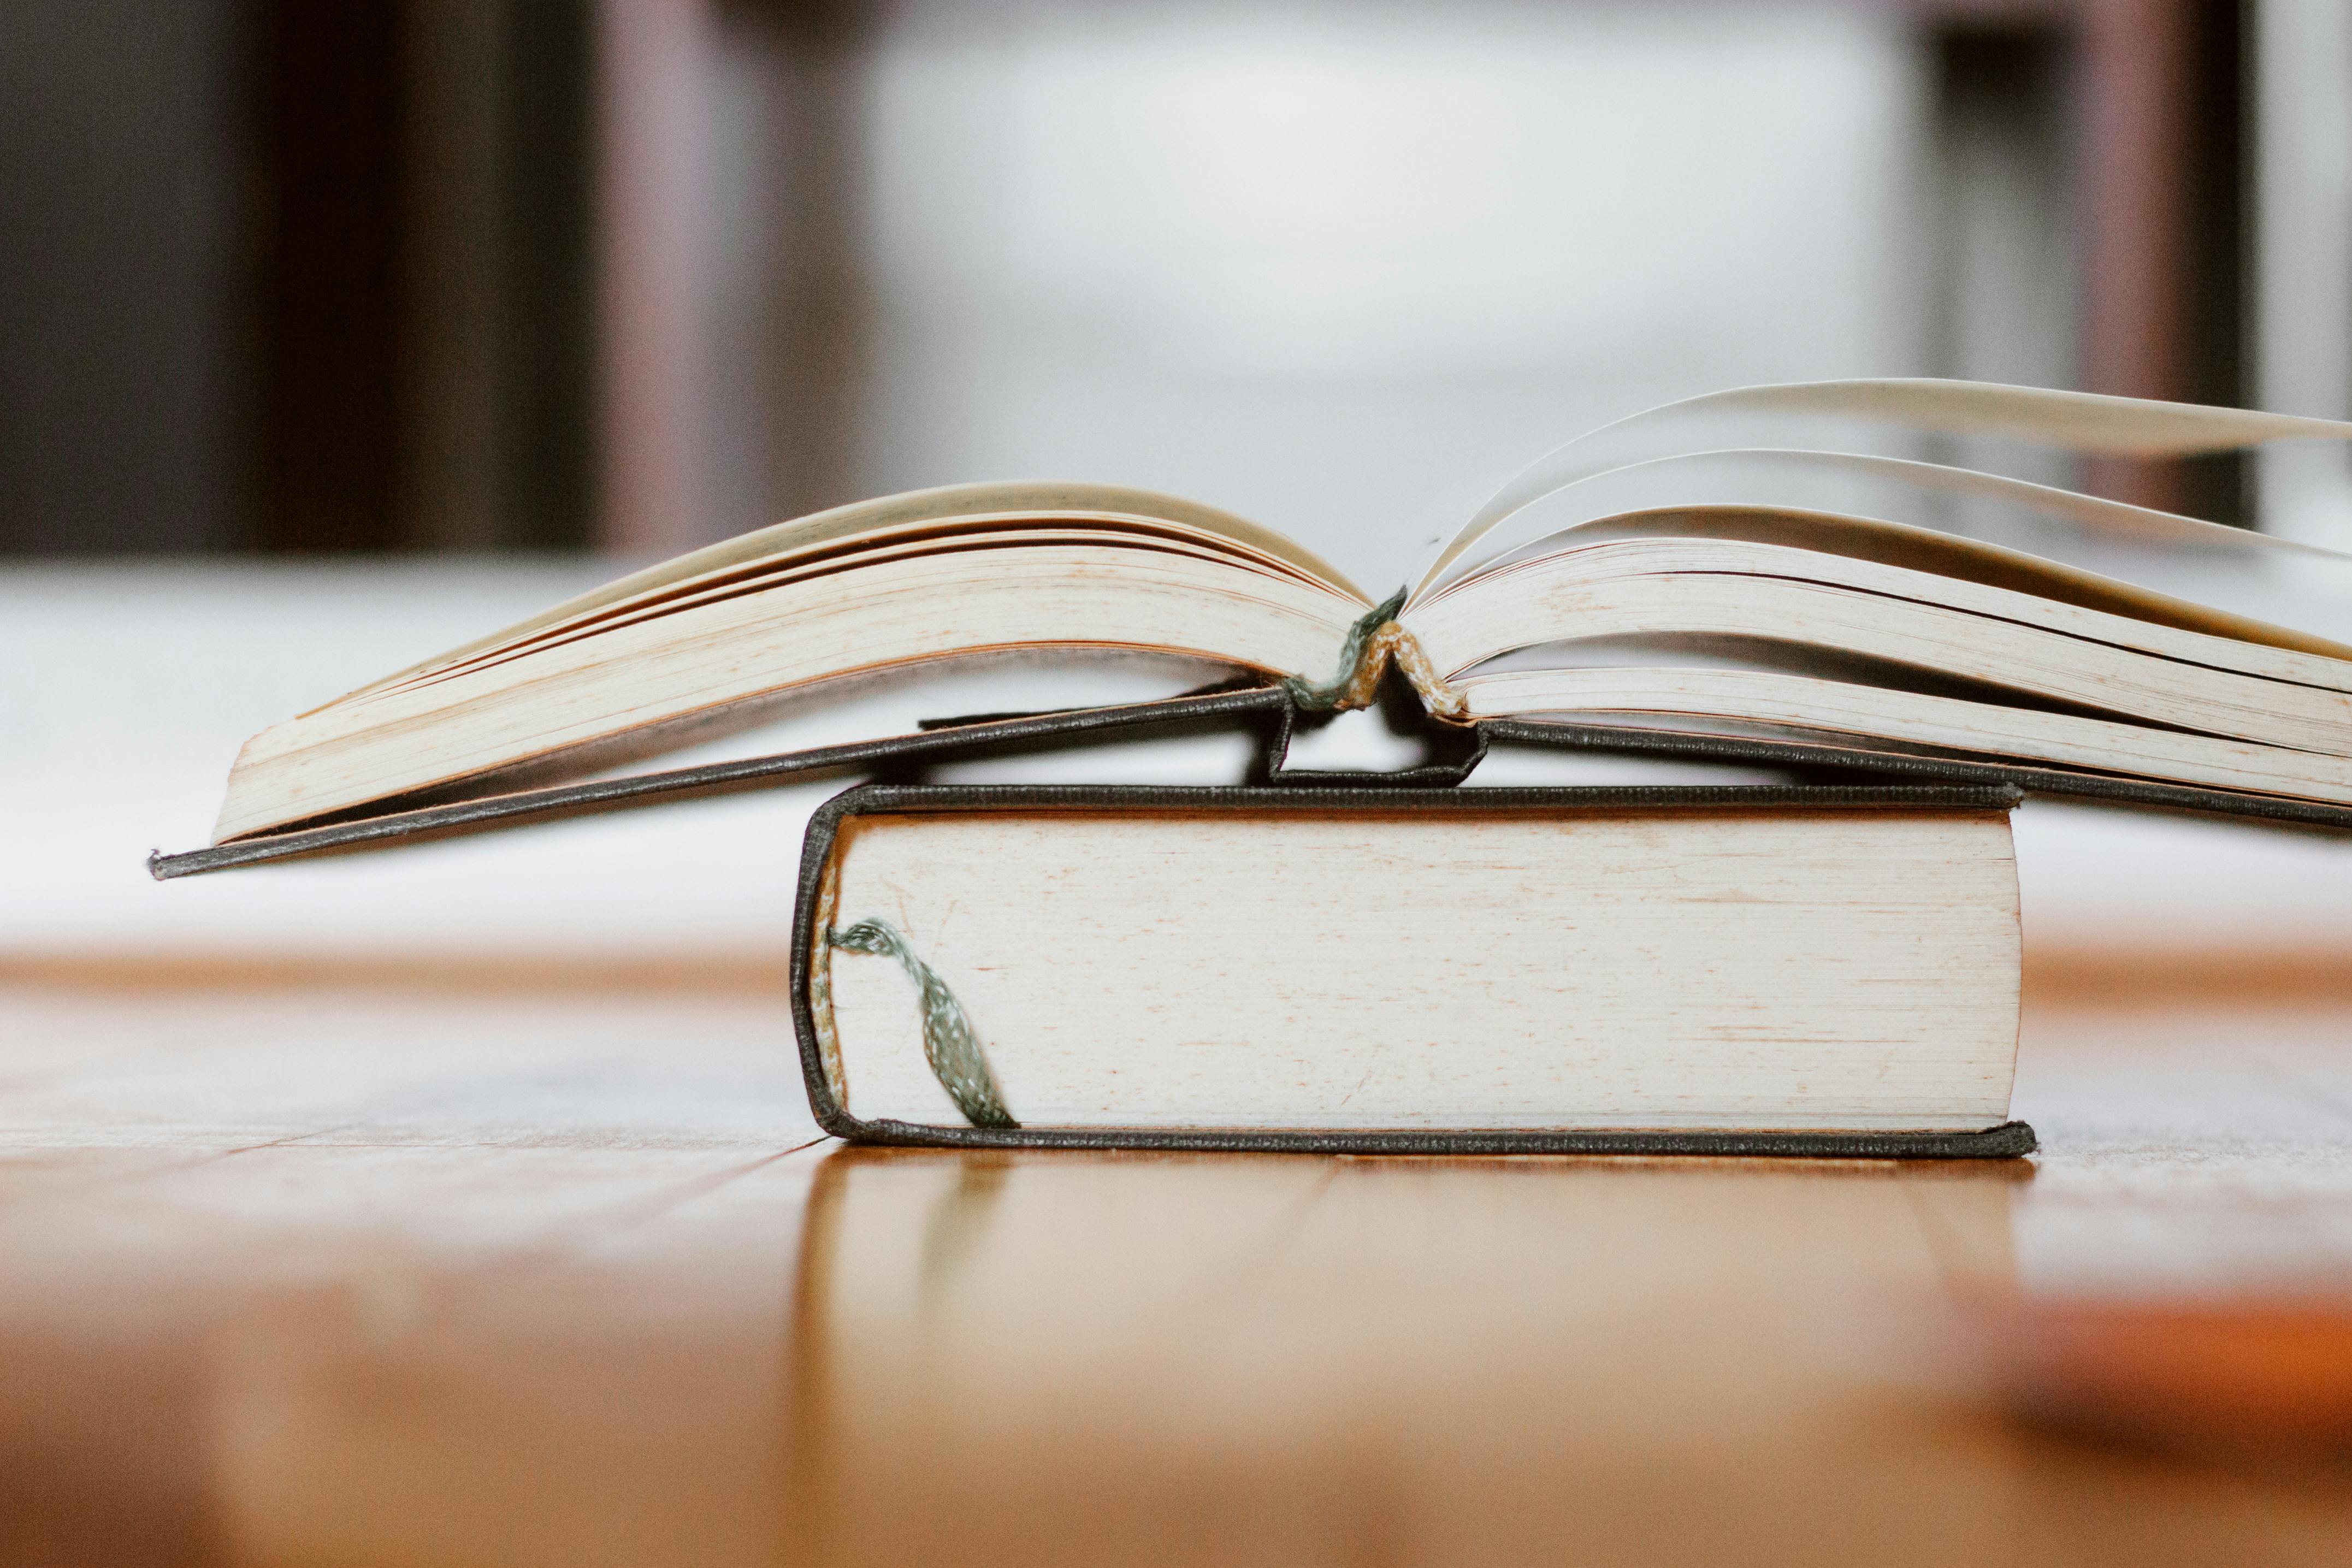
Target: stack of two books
<point>1408,962</point>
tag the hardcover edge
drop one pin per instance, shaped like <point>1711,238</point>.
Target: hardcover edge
<point>2008,1139</point>
<point>1266,709</point>
<point>1258,707</point>
<point>2036,783</point>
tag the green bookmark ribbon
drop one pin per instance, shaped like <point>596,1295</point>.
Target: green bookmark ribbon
<point>1307,694</point>
<point>949,1043</point>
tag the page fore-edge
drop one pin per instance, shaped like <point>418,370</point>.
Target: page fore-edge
<point>2006,1140</point>
<point>1266,710</point>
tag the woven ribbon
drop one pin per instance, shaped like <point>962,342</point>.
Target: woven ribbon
<point>949,1043</point>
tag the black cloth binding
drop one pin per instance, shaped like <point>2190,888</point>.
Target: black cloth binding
<point>1269,713</point>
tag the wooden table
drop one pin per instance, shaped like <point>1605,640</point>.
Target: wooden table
<point>318,1276</point>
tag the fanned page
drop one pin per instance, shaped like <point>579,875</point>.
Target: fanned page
<point>1676,570</point>
<point>1720,424</point>
<point>1664,595</point>
<point>708,639</point>
<point>843,530</point>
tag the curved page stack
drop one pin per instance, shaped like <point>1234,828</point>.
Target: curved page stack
<point>1674,587</point>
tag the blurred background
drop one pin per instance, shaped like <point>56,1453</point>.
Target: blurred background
<point>332,335</point>
<point>284,276</point>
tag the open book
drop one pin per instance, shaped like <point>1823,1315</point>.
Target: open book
<point>1648,575</point>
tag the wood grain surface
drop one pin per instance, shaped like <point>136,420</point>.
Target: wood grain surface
<point>377,1277</point>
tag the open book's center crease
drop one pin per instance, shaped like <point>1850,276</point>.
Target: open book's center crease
<point>1374,643</point>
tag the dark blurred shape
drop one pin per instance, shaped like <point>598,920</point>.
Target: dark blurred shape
<point>299,276</point>
<point>104,1454</point>
<point>824,295</point>
<point>2230,1375</point>
<point>2165,209</point>
<point>422,290</point>
<point>2128,117</point>
<point>327,157</point>
<point>117,194</point>
<point>2007,195</point>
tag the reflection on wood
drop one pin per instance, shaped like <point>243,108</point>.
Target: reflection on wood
<point>304,1278</point>
<point>1254,1359</point>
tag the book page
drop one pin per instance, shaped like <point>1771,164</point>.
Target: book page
<point>2160,565</point>
<point>578,696</point>
<point>1011,501</point>
<point>1706,450</point>
<point>1551,611</point>
<point>989,534</point>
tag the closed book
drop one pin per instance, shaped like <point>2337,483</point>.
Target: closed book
<point>1697,968</point>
